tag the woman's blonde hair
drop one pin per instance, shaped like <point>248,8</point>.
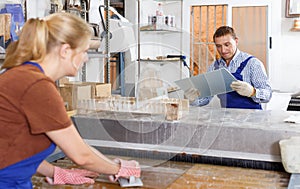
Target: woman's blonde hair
<point>39,37</point>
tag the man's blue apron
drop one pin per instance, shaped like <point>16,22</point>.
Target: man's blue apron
<point>18,175</point>
<point>233,99</point>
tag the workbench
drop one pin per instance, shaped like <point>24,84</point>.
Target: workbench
<point>179,175</point>
<point>235,137</point>
<point>207,148</point>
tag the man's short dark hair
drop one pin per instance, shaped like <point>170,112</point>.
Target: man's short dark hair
<point>224,30</point>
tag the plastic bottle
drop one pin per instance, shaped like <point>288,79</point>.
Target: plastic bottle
<point>159,10</point>
<point>159,17</point>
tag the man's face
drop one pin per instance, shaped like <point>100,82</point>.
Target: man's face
<point>226,46</point>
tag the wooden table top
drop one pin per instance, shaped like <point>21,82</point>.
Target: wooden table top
<point>158,174</point>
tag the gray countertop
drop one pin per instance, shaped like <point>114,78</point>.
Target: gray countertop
<point>240,118</point>
<point>238,133</point>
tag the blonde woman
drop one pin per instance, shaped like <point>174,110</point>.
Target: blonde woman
<point>33,120</point>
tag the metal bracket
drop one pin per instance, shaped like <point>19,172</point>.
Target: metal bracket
<point>294,181</point>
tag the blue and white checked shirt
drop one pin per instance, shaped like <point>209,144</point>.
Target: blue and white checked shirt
<point>254,73</point>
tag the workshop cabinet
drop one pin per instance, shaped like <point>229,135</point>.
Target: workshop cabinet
<point>160,35</point>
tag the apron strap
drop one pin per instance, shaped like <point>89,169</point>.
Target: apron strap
<point>34,64</point>
<point>239,70</point>
<point>243,64</point>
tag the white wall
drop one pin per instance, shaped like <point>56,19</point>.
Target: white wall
<point>37,8</point>
<point>289,65</point>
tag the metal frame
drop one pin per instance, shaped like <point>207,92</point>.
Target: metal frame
<point>287,10</point>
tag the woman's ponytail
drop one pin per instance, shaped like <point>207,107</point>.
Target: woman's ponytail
<point>39,37</point>
<point>31,45</point>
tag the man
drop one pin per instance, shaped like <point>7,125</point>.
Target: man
<point>252,87</point>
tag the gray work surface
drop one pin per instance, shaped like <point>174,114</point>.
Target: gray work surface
<point>226,133</point>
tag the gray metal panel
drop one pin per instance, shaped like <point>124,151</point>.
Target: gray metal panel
<point>245,134</point>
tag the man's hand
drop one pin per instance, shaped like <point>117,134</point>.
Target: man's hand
<point>71,176</point>
<point>127,169</point>
<point>191,94</point>
<point>243,88</point>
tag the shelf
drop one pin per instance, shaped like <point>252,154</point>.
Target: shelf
<point>167,1</point>
<point>160,60</point>
<point>295,29</point>
<point>160,34</point>
<point>90,54</point>
<point>296,25</point>
<point>94,54</point>
<point>117,4</point>
<point>162,29</point>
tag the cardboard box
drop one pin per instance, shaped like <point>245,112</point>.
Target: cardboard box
<point>173,111</point>
<point>2,25</point>
<point>5,24</point>
<point>74,91</point>
<point>103,90</point>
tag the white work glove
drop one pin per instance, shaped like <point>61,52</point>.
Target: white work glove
<point>243,88</point>
<point>191,94</point>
